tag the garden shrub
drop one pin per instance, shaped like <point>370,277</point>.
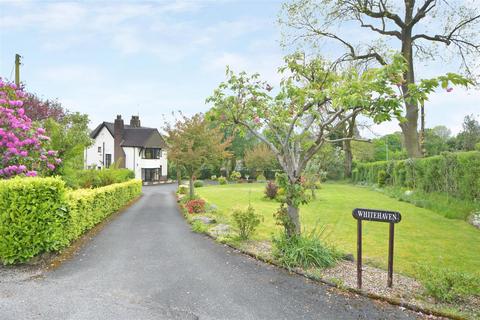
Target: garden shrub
<point>456,174</point>
<point>91,178</point>
<point>306,251</point>
<point>198,184</point>
<point>195,206</point>
<point>183,189</point>
<point>246,221</point>
<point>31,217</point>
<point>449,286</point>
<point>40,215</point>
<point>271,190</point>
<point>235,176</point>
<point>87,207</point>
<point>199,227</point>
<point>381,178</point>
<point>261,178</point>
<point>222,180</point>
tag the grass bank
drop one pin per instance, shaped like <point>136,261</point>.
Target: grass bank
<point>423,237</point>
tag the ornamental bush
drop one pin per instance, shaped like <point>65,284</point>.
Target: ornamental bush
<point>222,180</point>
<point>195,206</point>
<point>271,190</point>
<point>40,215</point>
<point>246,221</point>
<point>23,148</point>
<point>235,176</point>
<point>198,184</point>
<point>456,174</point>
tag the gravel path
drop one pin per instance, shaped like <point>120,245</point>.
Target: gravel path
<point>147,264</point>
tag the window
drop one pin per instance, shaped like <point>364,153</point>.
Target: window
<point>152,153</point>
<point>108,160</point>
<point>99,149</point>
<point>153,174</point>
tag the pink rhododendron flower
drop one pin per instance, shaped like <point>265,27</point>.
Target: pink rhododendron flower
<point>21,146</point>
<point>31,173</point>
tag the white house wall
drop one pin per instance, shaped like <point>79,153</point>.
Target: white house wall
<point>95,158</point>
<point>134,161</point>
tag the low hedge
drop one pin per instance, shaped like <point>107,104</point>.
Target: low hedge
<point>87,207</point>
<point>40,215</point>
<point>456,174</point>
<point>92,178</point>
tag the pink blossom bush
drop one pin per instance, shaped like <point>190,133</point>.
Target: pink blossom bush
<point>22,146</point>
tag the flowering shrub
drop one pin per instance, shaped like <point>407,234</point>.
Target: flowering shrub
<point>195,206</point>
<point>22,146</point>
<point>235,176</point>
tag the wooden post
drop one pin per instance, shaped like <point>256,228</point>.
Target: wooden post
<point>359,254</point>
<point>390,255</point>
<point>17,69</point>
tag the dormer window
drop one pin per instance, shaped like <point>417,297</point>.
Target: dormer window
<point>152,153</point>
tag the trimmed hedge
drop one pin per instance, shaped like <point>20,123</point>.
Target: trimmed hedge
<point>87,207</point>
<point>456,174</point>
<point>92,178</point>
<point>40,215</point>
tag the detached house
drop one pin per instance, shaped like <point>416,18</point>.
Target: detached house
<point>131,146</point>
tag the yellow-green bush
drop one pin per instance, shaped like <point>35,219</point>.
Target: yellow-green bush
<point>32,216</point>
<point>456,174</point>
<point>40,215</point>
<point>87,207</point>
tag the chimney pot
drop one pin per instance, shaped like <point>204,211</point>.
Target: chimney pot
<point>135,121</point>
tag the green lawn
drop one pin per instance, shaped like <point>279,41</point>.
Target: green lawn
<point>422,237</point>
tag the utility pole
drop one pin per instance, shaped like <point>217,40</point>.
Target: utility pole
<point>17,69</point>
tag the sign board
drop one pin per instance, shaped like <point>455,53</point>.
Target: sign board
<point>390,217</point>
<point>377,215</point>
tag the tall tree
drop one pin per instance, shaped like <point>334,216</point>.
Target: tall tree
<point>470,135</point>
<point>39,109</point>
<point>260,158</point>
<point>435,22</point>
<point>70,136</point>
<point>193,143</point>
<point>313,101</point>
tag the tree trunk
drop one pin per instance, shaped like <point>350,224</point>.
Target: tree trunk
<point>293,228</point>
<point>179,176</point>
<point>347,147</point>
<point>192,191</point>
<point>409,128</point>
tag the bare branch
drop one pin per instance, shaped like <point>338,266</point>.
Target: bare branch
<point>348,139</point>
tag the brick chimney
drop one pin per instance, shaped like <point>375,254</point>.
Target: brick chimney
<point>118,153</point>
<point>135,122</point>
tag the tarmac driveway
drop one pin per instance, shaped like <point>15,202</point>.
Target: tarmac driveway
<point>148,264</point>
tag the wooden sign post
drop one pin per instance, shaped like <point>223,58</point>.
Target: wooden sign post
<point>391,217</point>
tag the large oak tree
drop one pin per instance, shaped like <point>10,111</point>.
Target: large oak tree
<point>414,28</point>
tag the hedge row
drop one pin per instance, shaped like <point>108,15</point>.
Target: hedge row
<point>456,174</point>
<point>40,215</point>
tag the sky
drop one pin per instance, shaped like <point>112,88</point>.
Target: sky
<point>105,58</point>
